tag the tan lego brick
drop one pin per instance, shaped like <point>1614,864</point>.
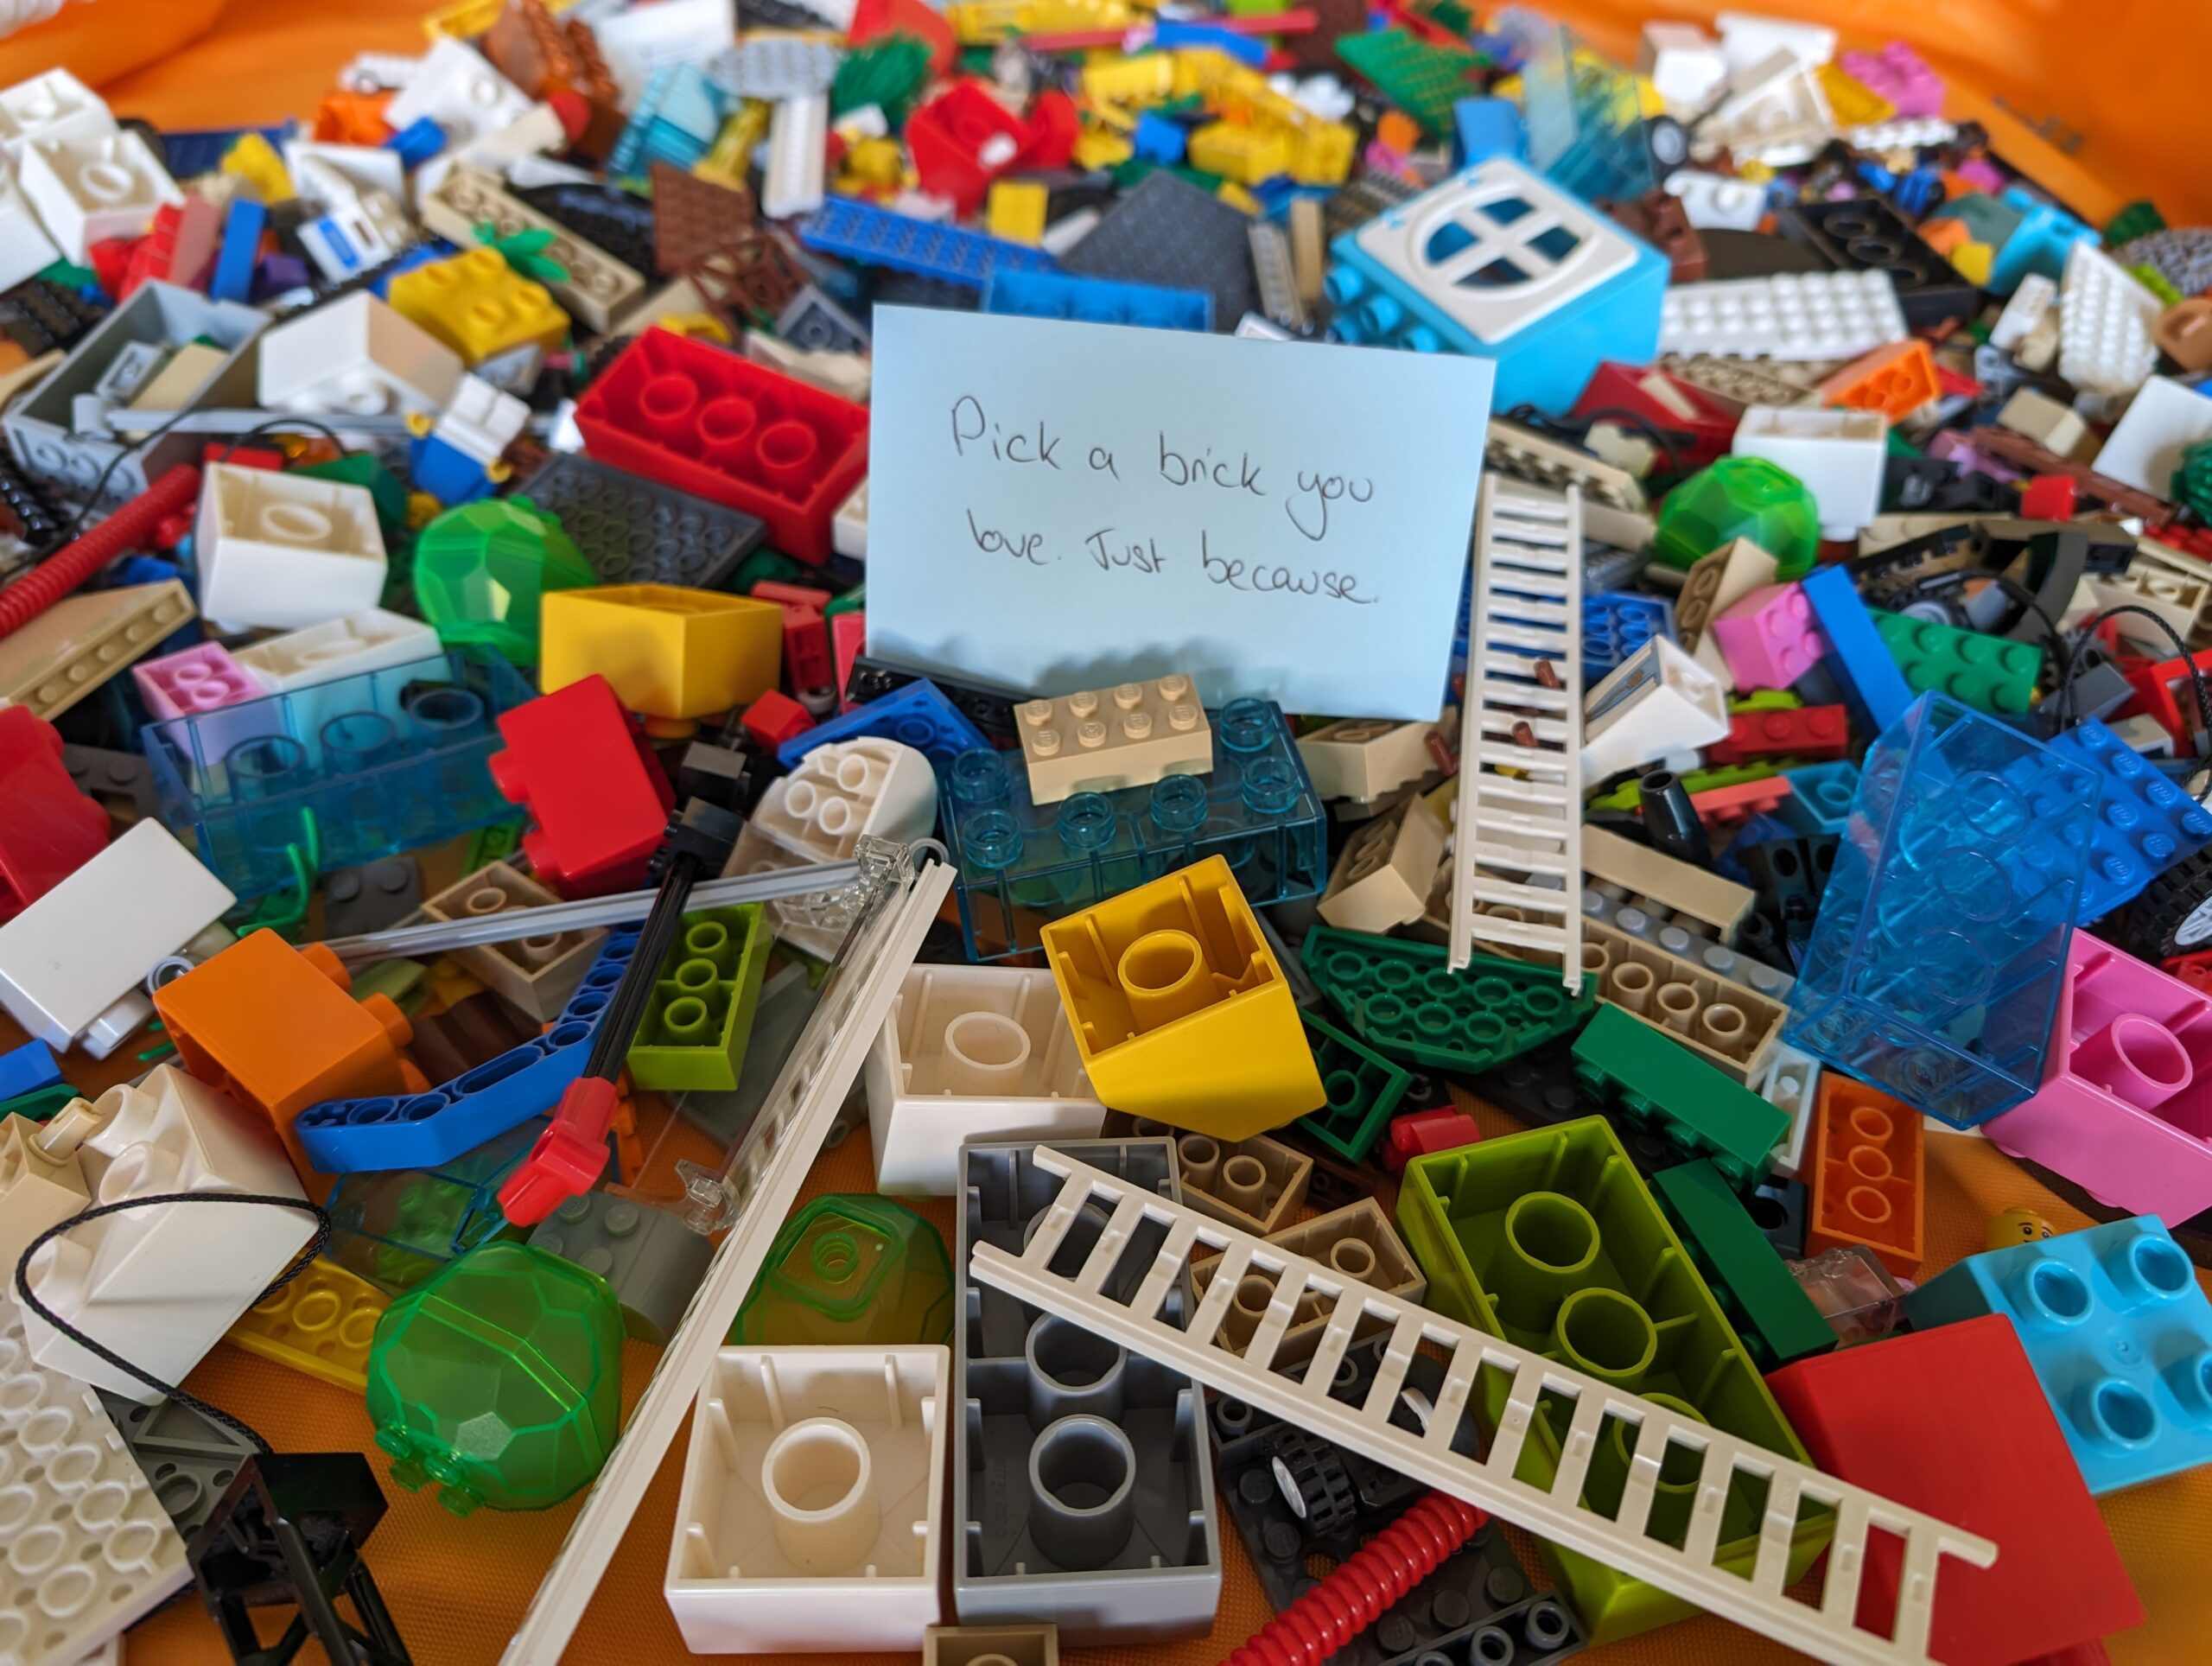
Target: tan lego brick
<point>1365,758</point>
<point>1256,1184</point>
<point>1730,1027</point>
<point>1383,878</point>
<point>70,650</point>
<point>1679,887</point>
<point>1105,738</point>
<point>598,286</point>
<point>537,975</point>
<point>1358,1241</point>
<point>1717,583</point>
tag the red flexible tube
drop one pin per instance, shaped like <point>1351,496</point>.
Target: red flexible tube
<point>1354,1597</point>
<point>77,561</point>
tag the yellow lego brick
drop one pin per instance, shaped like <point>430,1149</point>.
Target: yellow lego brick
<point>1972,261</point>
<point>670,652</point>
<point>321,1323</point>
<point>730,162</point>
<point>1096,149</point>
<point>254,160</point>
<point>597,286</point>
<point>470,18</point>
<point>1850,101</point>
<point>1180,1009</point>
<point>1118,80</point>
<point>703,326</point>
<point>65,652</point>
<point>479,306</point>
<point>1017,210</point>
<point>986,23</point>
<point>1247,155</point>
<point>876,161</point>
<point>1237,197</point>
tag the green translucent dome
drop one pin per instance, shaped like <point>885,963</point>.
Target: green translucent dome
<point>851,1270</point>
<point>1741,498</point>
<point>482,570</point>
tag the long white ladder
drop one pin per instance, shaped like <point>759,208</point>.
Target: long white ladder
<point>1830,1632</point>
<point>1516,864</point>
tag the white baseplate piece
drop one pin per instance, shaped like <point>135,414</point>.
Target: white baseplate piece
<point>766,1176</point>
<point>1829,1631</point>
<point>1795,315</point>
<point>1518,839</point>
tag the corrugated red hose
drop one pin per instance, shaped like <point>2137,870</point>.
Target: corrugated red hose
<point>70,566</point>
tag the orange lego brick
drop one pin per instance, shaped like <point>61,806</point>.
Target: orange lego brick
<point>274,1028</point>
<point>1867,1175</point>
<point>1727,805</point>
<point>1895,380</point>
<point>352,119</point>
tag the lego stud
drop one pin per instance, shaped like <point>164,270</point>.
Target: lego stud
<point>299,524</point>
<point>1723,1027</point>
<point>2051,1294</point>
<point>1551,1245</point>
<point>2148,1268</point>
<point>1243,1185</point>
<point>789,456</point>
<point>819,1483</point>
<point>1630,985</point>
<point>2135,1059</point>
<point>2111,1412</point>
<point>1082,1493</point>
<point>103,181</point>
<point>1163,976</point>
<point>2190,1379</point>
<point>447,713</point>
<point>984,1052</point>
<point>1602,1332</point>
<point>1354,1258</point>
<point>261,768</point>
<point>1072,1372</point>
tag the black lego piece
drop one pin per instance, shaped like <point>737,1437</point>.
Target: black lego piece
<point>728,776</point>
<point>1536,1631</point>
<point>1540,1088</point>
<point>41,316</point>
<point>1778,1209</point>
<point>1169,233</point>
<point>1921,485</point>
<point>913,289</point>
<point>988,710</point>
<point>373,897</point>
<point>1865,234</point>
<point>109,776</point>
<point>39,521</point>
<point>605,216</point>
<point>287,1535</point>
<point>1754,254</point>
<point>634,530</point>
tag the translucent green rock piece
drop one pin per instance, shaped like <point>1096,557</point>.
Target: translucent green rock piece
<point>1741,498</point>
<point>851,1270</point>
<point>482,570</point>
<point>500,1380</point>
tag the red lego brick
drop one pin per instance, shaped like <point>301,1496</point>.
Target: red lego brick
<point>1701,428</point>
<point>2048,497</point>
<point>1420,1133</point>
<point>848,640</point>
<point>49,828</point>
<point>577,763</point>
<point>775,718</point>
<point>2195,970</point>
<point>1724,806</point>
<point>807,663</point>
<point>181,248</point>
<point>1810,734</point>
<point>875,20</point>
<point>949,136</point>
<point>2163,690</point>
<point>1954,1421</point>
<point>110,259</point>
<point>701,418</point>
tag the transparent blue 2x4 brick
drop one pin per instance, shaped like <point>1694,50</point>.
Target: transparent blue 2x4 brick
<point>1022,865</point>
<point>1936,965</point>
<point>381,762</point>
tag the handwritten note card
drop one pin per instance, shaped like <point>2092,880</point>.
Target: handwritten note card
<point>1056,506</point>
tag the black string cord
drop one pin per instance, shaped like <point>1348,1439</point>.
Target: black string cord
<point>305,1259</point>
<point>2196,678</point>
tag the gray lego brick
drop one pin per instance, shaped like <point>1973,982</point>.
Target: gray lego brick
<point>190,1459</point>
<point>654,1260</point>
<point>373,897</point>
<point>1168,232</point>
<point>635,531</point>
<point>111,776</point>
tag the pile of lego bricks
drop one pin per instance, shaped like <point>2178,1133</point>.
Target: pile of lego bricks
<point>448,810</point>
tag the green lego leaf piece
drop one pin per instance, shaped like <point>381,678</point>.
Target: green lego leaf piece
<point>1423,80</point>
<point>1741,498</point>
<point>1987,672</point>
<point>1661,1085</point>
<point>2137,219</point>
<point>1770,1310</point>
<point>1402,1000</point>
<point>851,1270</point>
<point>887,72</point>
<point>524,252</point>
<point>2192,481</point>
<point>1363,1087</point>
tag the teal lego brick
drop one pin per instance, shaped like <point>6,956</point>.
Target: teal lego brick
<point>1770,1310</point>
<point>1364,1088</point>
<point>1977,669</point>
<point>1403,1000</point>
<point>1660,1084</point>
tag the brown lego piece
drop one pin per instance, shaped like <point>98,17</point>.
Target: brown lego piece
<point>1316,49</point>
<point>1662,221</point>
<point>2023,454</point>
<point>693,217</point>
<point>747,282</point>
<point>2185,333</point>
<point>472,1032</point>
<point>560,63</point>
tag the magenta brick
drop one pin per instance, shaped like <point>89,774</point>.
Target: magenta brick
<point>1899,74</point>
<point>198,679</point>
<point>1769,639</point>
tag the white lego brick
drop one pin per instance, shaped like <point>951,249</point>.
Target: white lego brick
<point>2105,319</point>
<point>1685,64</point>
<point>1794,316</point>
<point>1590,250</point>
<point>643,39</point>
<point>331,175</point>
<point>1102,740</point>
<point>55,105</point>
<point>847,375</point>
<point>1912,134</point>
<point>460,90</point>
<point>364,231</point>
<point>378,71</point>
<point>126,1019</point>
<point>1657,701</point>
<point>2036,297</point>
<point>277,550</point>
<point>2042,419</point>
<point>2145,449</point>
<point>1838,454</point>
<point>848,528</point>
<point>90,940</point>
<point>25,248</point>
<point>371,640</point>
<point>797,134</point>
<point>1716,202</point>
<point>1790,1081</point>
<point>160,1285</point>
<point>481,421</point>
<point>537,131</point>
<point>812,1517</point>
<point>1774,112</point>
<point>87,190</point>
<point>90,1550</point>
<point>971,1053</point>
<point>359,357</point>
<point>1748,39</point>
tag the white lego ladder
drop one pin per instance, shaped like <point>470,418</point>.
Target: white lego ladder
<point>1829,1631</point>
<point>1518,838</point>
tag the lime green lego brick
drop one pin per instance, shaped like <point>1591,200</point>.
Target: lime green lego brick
<point>1770,1309</point>
<point>1987,672</point>
<point>1766,700</point>
<point>1550,1240</point>
<point>1423,80</point>
<point>1364,1088</point>
<point>1629,794</point>
<point>1403,1000</point>
<point>493,843</point>
<point>700,1017</point>
<point>1664,1086</point>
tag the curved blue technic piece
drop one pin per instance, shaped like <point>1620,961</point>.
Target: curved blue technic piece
<point>347,1136</point>
<point>917,715</point>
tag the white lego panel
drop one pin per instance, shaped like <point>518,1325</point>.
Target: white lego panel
<point>1789,1081</point>
<point>848,528</point>
<point>1748,39</point>
<point>89,1549</point>
<point>1496,248</point>
<point>1656,703</point>
<point>25,248</point>
<point>1104,740</point>
<point>2023,311</point>
<point>971,1053</point>
<point>160,1285</point>
<point>371,640</point>
<point>359,357</point>
<point>2105,322</point>
<point>332,175</point>
<point>87,190</point>
<point>1684,62</point>
<point>812,1513</point>
<point>55,105</point>
<point>1839,455</point>
<point>1432,1447</point>
<point>796,135</point>
<point>282,550</point>
<point>1716,202</point>
<point>481,421</point>
<point>2144,450</point>
<point>456,88</point>
<point>1878,138</point>
<point>76,950</point>
<point>1796,315</point>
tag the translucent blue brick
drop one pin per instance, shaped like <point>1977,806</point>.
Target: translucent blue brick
<point>1615,623</point>
<point>2120,1334</point>
<point>876,237</point>
<point>1936,965</point>
<point>2145,824</point>
<point>422,1130</point>
<point>375,764</point>
<point>917,716</point>
<point>397,1227</point>
<point>1821,803</point>
<point>1022,865</point>
<point>676,121</point>
<point>1585,121</point>
<point>1096,301</point>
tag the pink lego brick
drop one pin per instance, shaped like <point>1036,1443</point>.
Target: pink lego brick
<point>1899,74</point>
<point>1954,447</point>
<point>2125,1107</point>
<point>1767,637</point>
<point>199,679</point>
<point>848,637</point>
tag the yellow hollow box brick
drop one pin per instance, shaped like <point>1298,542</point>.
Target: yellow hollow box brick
<point>1107,739</point>
<point>670,652</point>
<point>479,306</point>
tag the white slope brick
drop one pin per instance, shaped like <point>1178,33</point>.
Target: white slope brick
<point>87,190</point>
<point>356,356</point>
<point>371,640</point>
<point>457,88</point>
<point>25,248</point>
<point>1656,703</point>
<point>2105,320</point>
<point>55,105</point>
<point>278,552</point>
<point>2144,450</point>
<point>1795,315</point>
